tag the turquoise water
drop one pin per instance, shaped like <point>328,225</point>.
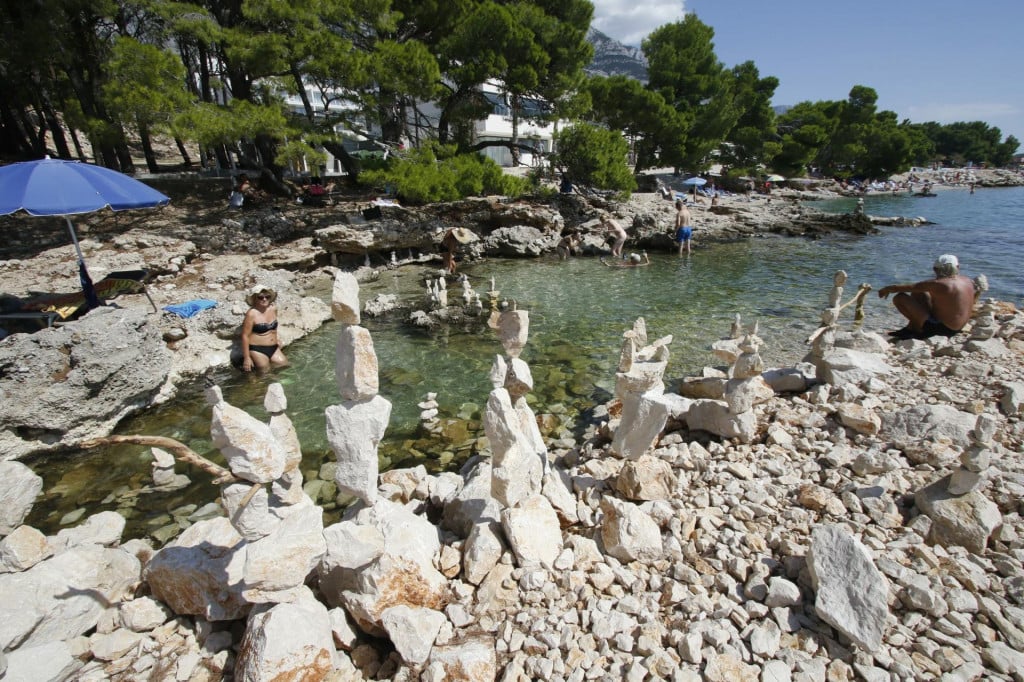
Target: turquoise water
<point>578,312</point>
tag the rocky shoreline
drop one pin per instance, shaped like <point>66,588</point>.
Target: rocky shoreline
<point>856,516</point>
<point>118,360</point>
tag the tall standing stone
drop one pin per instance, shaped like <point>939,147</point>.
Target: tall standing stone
<point>851,592</point>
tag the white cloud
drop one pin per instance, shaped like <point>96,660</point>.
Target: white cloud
<point>630,21</point>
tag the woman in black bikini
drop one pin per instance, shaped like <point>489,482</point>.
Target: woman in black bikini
<point>260,348</point>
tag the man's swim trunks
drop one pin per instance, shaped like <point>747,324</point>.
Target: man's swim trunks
<point>932,327</point>
<point>684,233</point>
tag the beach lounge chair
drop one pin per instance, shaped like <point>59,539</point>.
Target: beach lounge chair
<point>50,309</point>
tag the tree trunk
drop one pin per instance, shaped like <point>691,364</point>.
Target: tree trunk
<point>147,147</point>
<point>13,143</point>
<point>60,142</point>
<point>514,102</point>
<point>301,87</point>
<point>31,135</point>
<point>78,145</point>
<point>183,151</point>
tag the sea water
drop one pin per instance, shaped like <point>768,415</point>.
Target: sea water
<point>578,310</point>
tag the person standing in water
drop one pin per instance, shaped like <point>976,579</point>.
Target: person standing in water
<point>616,230</point>
<point>683,226</point>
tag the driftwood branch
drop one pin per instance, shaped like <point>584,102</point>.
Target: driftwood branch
<point>181,452</point>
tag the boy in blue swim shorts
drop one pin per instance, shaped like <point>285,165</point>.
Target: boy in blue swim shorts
<point>684,230</point>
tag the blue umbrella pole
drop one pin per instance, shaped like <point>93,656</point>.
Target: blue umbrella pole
<point>91,299</point>
<point>74,239</point>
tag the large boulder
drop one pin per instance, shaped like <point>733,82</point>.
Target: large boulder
<point>929,422</point>
<point>201,572</point>
<point>64,596</point>
<point>518,241</point>
<point>849,366</point>
<point>79,380</point>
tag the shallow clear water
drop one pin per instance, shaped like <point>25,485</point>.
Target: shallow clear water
<point>578,312</point>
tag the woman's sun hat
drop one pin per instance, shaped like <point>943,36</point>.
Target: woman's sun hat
<point>257,290</point>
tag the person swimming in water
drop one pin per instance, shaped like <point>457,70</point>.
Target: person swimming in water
<point>260,347</point>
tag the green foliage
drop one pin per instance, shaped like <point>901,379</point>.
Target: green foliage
<point>596,157</point>
<point>752,140</point>
<point>622,103</point>
<point>211,124</point>
<point>146,84</point>
<point>296,152</point>
<point>684,69</point>
<point>965,142</point>
<point>434,173</point>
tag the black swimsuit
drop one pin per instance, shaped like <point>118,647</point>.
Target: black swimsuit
<point>263,327</point>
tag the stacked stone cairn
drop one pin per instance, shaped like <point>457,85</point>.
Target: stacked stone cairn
<point>429,420</point>
<point>164,476</point>
<point>960,514</point>
<point>519,456</point>
<point>356,426</point>
<point>437,293</point>
<point>379,566</point>
<point>733,416</point>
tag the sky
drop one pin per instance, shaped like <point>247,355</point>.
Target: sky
<point>928,60</point>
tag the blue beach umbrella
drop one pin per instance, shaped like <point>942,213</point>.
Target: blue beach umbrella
<point>695,182</point>
<point>55,187</point>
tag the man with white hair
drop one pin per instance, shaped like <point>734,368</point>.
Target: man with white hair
<point>935,306</point>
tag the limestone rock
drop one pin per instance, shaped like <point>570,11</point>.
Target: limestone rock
<point>473,503</point>
<point>390,581</point>
<point>345,298</point>
<point>628,533</point>
<point>23,549</point>
<point>412,631</point>
<point>472,660</point>
<point>48,661</point>
<point>966,520</point>
<point>277,565</point>
<point>845,365</point>
<point>533,531</point>
<point>643,419</point>
<point>859,418</point>
<point>481,551</point>
<point>286,641</point>
<point>715,417</point>
<point>921,422</point>
<point>111,363</point>
<point>354,430</point>
<point>248,445</point>
<point>143,614</point>
<point>851,592</point>
<point>355,365</point>
<point>63,596</point>
<point>647,478</point>
<point>201,572</point>
<point>253,520</point>
<point>19,487</point>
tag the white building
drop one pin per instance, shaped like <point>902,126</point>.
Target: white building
<point>496,127</point>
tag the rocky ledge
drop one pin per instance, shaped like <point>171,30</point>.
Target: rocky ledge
<point>856,516</point>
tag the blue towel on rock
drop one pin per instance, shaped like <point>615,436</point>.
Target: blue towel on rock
<point>190,308</point>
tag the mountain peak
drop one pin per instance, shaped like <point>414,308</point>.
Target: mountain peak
<point>613,58</point>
